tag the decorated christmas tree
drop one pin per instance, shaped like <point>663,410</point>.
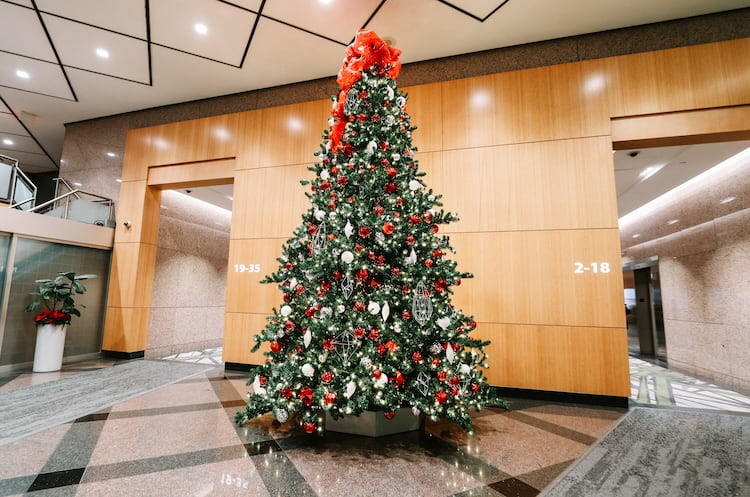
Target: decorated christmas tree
<point>366,321</point>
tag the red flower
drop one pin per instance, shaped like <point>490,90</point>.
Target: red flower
<point>336,275</point>
<point>381,349</point>
<point>329,344</point>
<point>359,332</point>
<point>359,306</point>
<point>289,325</point>
<point>391,345</point>
<point>358,248</point>
<point>475,388</point>
<point>325,286</point>
<point>406,315</point>
<point>428,263</point>
<point>440,285</point>
<point>441,397</point>
<point>379,210</point>
<point>326,377</point>
<point>442,375</point>
<point>454,380</point>
<point>390,187</point>
<point>362,274</point>
<point>427,217</point>
<point>391,171</point>
<point>287,392</point>
<point>306,396</point>
<point>399,379</point>
<point>435,361</point>
<point>389,414</point>
<point>416,357</point>
<point>395,271</point>
<point>299,289</point>
<point>388,228</point>
<point>334,171</point>
<point>308,426</point>
<point>414,219</point>
<point>325,184</point>
<point>376,374</point>
<point>364,232</point>
<point>410,240</point>
<point>437,253</point>
<point>342,180</point>
<point>374,334</point>
<point>329,398</point>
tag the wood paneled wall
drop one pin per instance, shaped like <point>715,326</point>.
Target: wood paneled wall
<point>524,158</point>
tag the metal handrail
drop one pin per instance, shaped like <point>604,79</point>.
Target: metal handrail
<point>10,161</point>
<point>62,180</point>
<point>77,194</point>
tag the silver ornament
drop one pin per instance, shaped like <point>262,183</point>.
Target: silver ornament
<point>281,415</point>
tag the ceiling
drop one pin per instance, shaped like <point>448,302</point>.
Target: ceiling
<point>156,57</point>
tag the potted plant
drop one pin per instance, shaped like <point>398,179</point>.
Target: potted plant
<point>56,298</point>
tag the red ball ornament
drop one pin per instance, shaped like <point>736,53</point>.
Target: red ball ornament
<point>362,274</point>
<point>287,297</point>
<point>331,206</point>
<point>388,228</point>
<point>275,346</point>
<point>299,289</point>
<point>359,306</point>
<point>392,172</point>
<point>435,361</point>
<point>475,388</point>
<point>441,397</point>
<point>379,210</point>
<point>376,374</point>
<point>442,375</point>
<point>454,380</point>
<point>395,271</point>
<point>287,392</point>
<point>381,349</point>
<point>364,232</point>
<point>390,187</point>
<point>435,228</point>
<point>342,180</point>
<point>428,263</point>
<point>405,289</point>
<point>406,315</point>
<point>326,377</point>
<point>389,414</point>
<point>262,380</point>
<point>306,396</point>
<point>325,185</point>
<point>427,217</point>
<point>437,253</point>
<point>329,398</point>
<point>359,332</point>
<point>289,325</point>
<point>410,240</point>
<point>309,427</point>
<point>414,219</point>
<point>440,285</point>
<point>334,170</point>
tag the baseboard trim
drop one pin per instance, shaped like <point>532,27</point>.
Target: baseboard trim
<point>114,354</point>
<point>238,366</point>
<point>564,397</point>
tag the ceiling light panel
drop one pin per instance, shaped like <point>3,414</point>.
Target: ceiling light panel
<point>23,34</point>
<point>127,17</point>
<point>44,77</point>
<point>77,46</point>
<point>266,51</point>
<point>20,144</point>
<point>228,28</point>
<point>339,19</point>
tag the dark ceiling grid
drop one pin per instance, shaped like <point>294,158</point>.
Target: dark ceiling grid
<point>147,7</point>
<point>252,32</point>
<point>54,50</point>
<point>474,16</point>
<point>31,135</point>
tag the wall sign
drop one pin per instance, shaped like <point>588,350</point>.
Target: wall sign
<point>592,267</point>
<point>247,268</point>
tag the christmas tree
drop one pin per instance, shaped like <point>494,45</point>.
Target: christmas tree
<point>367,321</point>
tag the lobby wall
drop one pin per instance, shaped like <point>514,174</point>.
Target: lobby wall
<point>515,170</point>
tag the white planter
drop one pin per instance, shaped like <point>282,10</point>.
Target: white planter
<point>50,342</point>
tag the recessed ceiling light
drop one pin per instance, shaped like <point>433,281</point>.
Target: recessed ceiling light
<point>325,2</point>
<point>7,141</point>
<point>727,200</point>
<point>118,180</point>
<point>637,235</point>
<point>103,53</point>
<point>673,221</point>
<point>111,154</point>
<point>200,28</point>
<point>22,74</point>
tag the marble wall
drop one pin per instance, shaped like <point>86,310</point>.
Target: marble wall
<point>190,276</point>
<point>705,275</point>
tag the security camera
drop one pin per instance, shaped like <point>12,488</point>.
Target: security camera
<point>634,153</point>
<point>127,224</point>
<point>188,191</point>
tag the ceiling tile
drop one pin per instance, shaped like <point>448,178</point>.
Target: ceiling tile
<point>479,8</point>
<point>25,3</point>
<point>336,19</point>
<point>253,5</point>
<point>9,124</point>
<point>23,34</point>
<point>228,28</point>
<point>28,162</point>
<point>45,78</point>
<point>298,65</point>
<point>127,17</point>
<point>20,144</point>
<point>77,43</point>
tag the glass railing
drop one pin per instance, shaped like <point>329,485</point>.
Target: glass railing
<point>16,188</point>
<point>78,205</point>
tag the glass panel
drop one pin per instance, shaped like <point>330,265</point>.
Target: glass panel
<point>36,259</point>
<point>6,174</point>
<point>21,193</point>
<point>4,247</point>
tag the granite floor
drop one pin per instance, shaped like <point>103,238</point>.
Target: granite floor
<point>181,440</point>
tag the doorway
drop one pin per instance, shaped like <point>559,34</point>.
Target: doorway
<point>644,311</point>
<point>190,273</point>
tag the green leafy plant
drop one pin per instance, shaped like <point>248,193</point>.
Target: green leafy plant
<point>56,297</point>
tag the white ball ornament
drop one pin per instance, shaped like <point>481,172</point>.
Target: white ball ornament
<point>444,322</point>
<point>431,198</point>
<point>320,215</point>
<point>347,257</point>
<point>414,185</point>
<point>324,174</point>
<point>464,368</point>
<point>373,308</point>
<point>308,370</point>
<point>340,308</point>
<point>366,362</point>
<point>286,311</point>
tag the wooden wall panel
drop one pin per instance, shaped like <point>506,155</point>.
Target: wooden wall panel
<point>248,137</point>
<point>138,204</point>
<point>424,105</point>
<point>131,275</point>
<point>528,277</point>
<point>547,103</point>
<point>192,174</point>
<point>137,152</point>
<point>291,134</point>
<point>126,329</point>
<point>558,358</point>
<point>196,140</point>
<point>533,186</point>
<point>239,330</point>
<point>269,202</point>
<point>245,293</point>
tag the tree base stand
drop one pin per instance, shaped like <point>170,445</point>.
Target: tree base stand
<point>374,424</point>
